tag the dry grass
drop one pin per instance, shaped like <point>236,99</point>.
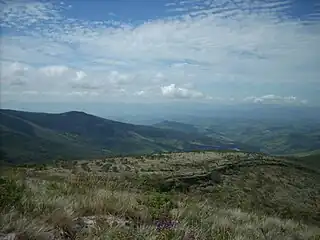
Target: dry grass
<point>123,200</point>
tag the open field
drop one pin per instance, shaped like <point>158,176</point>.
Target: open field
<point>196,195</point>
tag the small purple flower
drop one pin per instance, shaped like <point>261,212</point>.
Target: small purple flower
<point>165,224</point>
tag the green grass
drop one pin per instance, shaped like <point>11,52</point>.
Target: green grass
<point>199,195</point>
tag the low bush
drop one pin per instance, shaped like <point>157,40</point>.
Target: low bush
<point>11,193</point>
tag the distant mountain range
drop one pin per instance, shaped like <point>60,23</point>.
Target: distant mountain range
<point>41,137</point>
<point>272,135</point>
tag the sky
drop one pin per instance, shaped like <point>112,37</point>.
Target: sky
<point>155,51</point>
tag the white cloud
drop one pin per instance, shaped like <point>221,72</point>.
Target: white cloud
<point>117,78</point>
<point>140,93</point>
<point>14,74</point>
<point>80,75</point>
<point>52,71</point>
<point>13,69</point>
<point>204,43</point>
<point>271,98</point>
<point>19,14</point>
<point>30,92</point>
<point>159,78</point>
<point>173,91</point>
<point>83,93</point>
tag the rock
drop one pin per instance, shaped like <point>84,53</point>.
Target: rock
<point>84,225</point>
<point>116,221</point>
<point>215,177</point>
<point>13,236</point>
<point>50,235</point>
<point>188,236</point>
<point>89,224</point>
<point>9,236</point>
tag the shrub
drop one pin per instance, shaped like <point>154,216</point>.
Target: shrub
<point>159,205</point>
<point>40,167</point>
<point>127,168</point>
<point>11,193</point>
<point>66,164</point>
<point>106,167</point>
<point>85,167</point>
<point>111,160</point>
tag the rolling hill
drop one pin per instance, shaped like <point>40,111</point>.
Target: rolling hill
<point>195,195</point>
<point>37,137</point>
<point>271,135</point>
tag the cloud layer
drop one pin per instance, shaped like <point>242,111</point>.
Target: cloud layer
<point>271,98</point>
<point>181,55</point>
<point>177,92</point>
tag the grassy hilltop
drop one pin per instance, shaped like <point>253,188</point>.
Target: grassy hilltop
<point>196,195</point>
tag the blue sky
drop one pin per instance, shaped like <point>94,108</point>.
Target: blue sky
<point>233,51</point>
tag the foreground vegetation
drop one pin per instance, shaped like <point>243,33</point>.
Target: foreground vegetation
<point>199,195</point>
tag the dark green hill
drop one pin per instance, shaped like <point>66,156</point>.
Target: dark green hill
<point>39,137</point>
<point>221,141</point>
<point>273,136</point>
<point>311,159</point>
<point>177,126</point>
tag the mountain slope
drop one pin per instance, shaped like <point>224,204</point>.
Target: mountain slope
<point>177,126</point>
<point>222,142</point>
<point>271,135</point>
<point>311,158</point>
<point>28,136</point>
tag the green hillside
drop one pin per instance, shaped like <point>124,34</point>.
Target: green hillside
<point>38,137</point>
<point>272,136</point>
<point>177,126</point>
<point>311,158</point>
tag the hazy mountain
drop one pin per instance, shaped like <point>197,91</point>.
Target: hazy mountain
<point>177,126</point>
<point>28,136</point>
<point>147,113</point>
<point>271,135</point>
